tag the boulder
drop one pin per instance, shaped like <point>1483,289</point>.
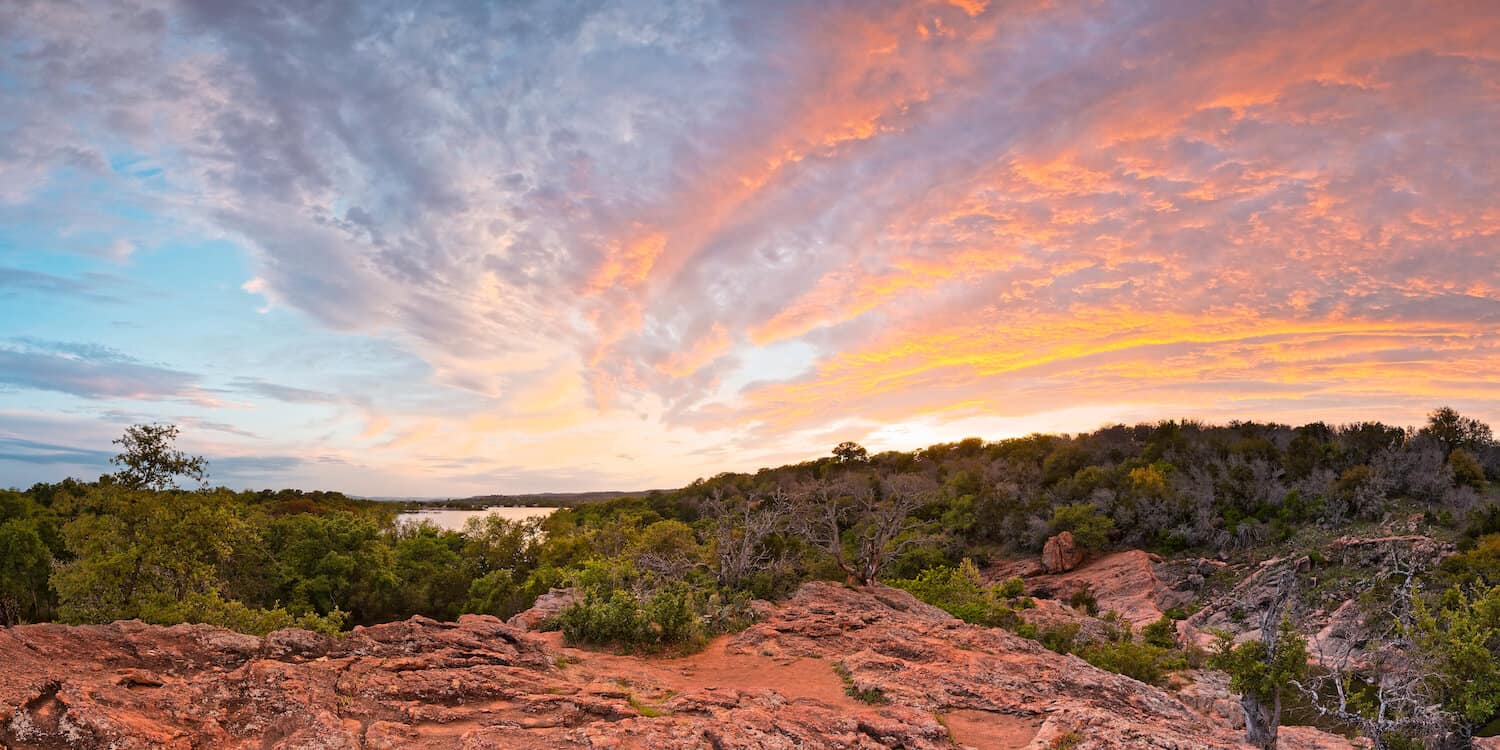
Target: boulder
<point>546,607</point>
<point>1061,554</point>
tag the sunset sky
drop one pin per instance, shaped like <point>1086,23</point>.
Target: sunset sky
<point>513,247</point>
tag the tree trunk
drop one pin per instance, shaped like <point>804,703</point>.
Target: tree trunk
<point>1261,723</point>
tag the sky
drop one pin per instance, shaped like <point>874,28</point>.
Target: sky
<point>454,248</point>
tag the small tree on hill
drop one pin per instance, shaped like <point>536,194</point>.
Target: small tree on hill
<point>1455,431</point>
<point>851,452</point>
<point>150,461</point>
<point>863,527</point>
<point>1262,671</point>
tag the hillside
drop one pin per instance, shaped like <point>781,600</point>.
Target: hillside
<point>1234,569</point>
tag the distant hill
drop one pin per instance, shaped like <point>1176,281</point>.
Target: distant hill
<point>543,499</point>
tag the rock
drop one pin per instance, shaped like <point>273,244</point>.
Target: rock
<point>1124,582</point>
<point>288,642</point>
<point>1061,554</point>
<point>1309,738</point>
<point>481,683</point>
<point>942,664</point>
<point>546,607</point>
<point>1208,693</point>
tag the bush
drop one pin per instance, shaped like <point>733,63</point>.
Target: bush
<point>1084,599</point>
<point>1059,638</point>
<point>960,592</point>
<point>1162,633</point>
<point>666,617</point>
<point>1141,661</point>
<point>1089,526</point>
<point>1013,587</point>
<point>1466,470</point>
<point>212,609</point>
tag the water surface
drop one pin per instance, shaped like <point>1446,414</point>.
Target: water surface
<point>453,518</point>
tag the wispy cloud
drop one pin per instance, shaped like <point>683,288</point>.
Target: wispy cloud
<point>92,371</point>
<point>614,215</point>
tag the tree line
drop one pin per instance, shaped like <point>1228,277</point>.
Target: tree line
<point>668,569</point>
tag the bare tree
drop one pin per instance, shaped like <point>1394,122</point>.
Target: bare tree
<point>742,526</point>
<point>877,519</point>
<point>1400,700</point>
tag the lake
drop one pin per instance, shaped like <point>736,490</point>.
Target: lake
<point>453,519</point>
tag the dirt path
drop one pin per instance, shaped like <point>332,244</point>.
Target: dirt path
<point>652,680</point>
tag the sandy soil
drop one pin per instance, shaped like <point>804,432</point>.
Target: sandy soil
<point>650,680</point>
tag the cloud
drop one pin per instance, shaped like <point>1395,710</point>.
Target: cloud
<point>92,371</point>
<point>17,281</point>
<point>289,394</point>
<point>592,213</point>
<point>27,451</point>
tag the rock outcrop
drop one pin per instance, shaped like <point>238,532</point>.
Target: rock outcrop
<point>546,607</point>
<point>1125,582</point>
<point>1061,554</point>
<point>934,682</point>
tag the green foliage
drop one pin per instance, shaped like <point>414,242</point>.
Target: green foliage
<point>961,592</point>
<point>1250,670</point>
<point>1061,638</point>
<point>624,607</point>
<point>1456,432</point>
<point>1162,633</point>
<point>1012,588</point>
<point>1466,470</point>
<point>1142,661</point>
<point>871,695</point>
<point>134,552</point>
<point>1083,599</point>
<point>851,452</point>
<point>1479,565</point>
<point>1460,638</point>
<point>1065,741</point>
<point>25,562</point>
<point>149,460</point>
<point>212,609</point>
<point>1089,526</point>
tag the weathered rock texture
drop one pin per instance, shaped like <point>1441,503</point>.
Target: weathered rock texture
<point>1125,582</point>
<point>1061,554</point>
<point>480,683</point>
<point>546,607</point>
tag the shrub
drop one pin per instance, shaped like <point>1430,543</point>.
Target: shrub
<point>1162,633</point>
<point>1084,599</point>
<point>871,695</point>
<point>960,592</point>
<point>1466,470</point>
<point>1141,661</point>
<point>1089,526</point>
<point>1060,638</point>
<point>212,609</point>
<point>1013,587</point>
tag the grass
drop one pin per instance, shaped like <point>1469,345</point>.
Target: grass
<point>871,695</point>
<point>646,709</point>
<point>1066,741</point>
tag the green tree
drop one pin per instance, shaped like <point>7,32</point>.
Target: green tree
<point>1459,639</point>
<point>430,571</point>
<point>1089,526</point>
<point>1454,431</point>
<point>150,461</point>
<point>25,562</point>
<point>1466,469</point>
<point>136,552</point>
<point>1262,671</point>
<point>851,452</point>
<point>338,561</point>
